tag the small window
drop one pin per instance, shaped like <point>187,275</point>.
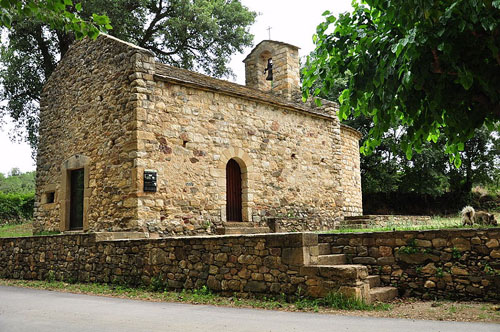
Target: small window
<point>50,197</point>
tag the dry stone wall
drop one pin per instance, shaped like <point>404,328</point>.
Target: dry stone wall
<point>271,264</point>
<point>456,264</point>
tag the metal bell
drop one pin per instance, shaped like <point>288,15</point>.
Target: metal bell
<point>269,70</point>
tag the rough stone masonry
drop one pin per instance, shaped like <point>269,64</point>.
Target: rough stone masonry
<point>111,114</point>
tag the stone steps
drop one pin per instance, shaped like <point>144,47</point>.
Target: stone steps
<point>337,259</point>
<point>383,294</point>
<point>374,281</point>
<point>324,249</point>
<point>334,265</point>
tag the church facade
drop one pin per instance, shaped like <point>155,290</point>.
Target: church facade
<point>130,144</point>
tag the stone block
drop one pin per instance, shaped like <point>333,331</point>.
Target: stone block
<point>385,251</point>
<point>495,254</point>
<point>423,243</point>
<point>461,244</point>
<point>430,284</point>
<point>364,260</point>
<point>492,243</point>
<point>292,256</point>
<point>386,261</point>
<point>439,242</point>
<point>255,287</point>
<point>455,270</point>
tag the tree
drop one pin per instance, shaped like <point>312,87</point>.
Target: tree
<point>430,66</point>
<point>17,182</point>
<point>58,14</point>
<point>198,35</point>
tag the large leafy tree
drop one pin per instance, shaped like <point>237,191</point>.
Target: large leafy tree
<point>58,14</point>
<point>430,66</point>
<point>193,34</point>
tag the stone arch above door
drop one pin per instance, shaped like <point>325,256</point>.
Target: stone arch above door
<point>75,162</point>
<point>247,181</point>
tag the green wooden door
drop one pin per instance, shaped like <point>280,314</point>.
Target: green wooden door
<point>76,200</point>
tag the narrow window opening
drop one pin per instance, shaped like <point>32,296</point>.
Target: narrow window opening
<point>50,197</point>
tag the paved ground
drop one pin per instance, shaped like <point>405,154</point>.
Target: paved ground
<point>28,310</point>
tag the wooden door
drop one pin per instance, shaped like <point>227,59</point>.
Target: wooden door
<point>76,199</point>
<point>233,191</point>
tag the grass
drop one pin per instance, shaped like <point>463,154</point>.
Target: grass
<point>16,230</point>
<point>434,224</point>
<point>203,296</point>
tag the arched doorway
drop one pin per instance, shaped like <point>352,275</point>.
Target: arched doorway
<point>233,191</point>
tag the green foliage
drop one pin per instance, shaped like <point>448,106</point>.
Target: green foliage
<point>432,67</point>
<point>410,248</point>
<point>17,196</point>
<point>343,302</point>
<point>15,208</point>
<point>17,182</point>
<point>159,283</point>
<point>489,270</point>
<point>62,15</point>
<point>51,276</point>
<point>455,253</point>
<point>198,35</point>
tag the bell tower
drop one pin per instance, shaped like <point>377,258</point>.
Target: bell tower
<point>273,66</point>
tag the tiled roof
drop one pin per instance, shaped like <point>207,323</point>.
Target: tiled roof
<point>187,77</point>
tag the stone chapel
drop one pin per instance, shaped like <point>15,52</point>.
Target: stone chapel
<point>128,144</point>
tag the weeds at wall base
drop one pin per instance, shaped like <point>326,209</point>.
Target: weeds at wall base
<point>202,295</point>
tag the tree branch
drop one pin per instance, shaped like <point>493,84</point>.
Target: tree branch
<point>48,61</point>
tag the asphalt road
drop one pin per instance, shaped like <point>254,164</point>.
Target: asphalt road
<point>28,310</point>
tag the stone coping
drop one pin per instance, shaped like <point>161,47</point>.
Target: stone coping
<point>351,130</point>
<point>174,238</point>
<point>451,230</point>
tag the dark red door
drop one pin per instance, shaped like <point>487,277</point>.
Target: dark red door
<point>233,191</point>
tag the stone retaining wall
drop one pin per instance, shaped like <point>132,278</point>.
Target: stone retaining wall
<point>252,264</point>
<point>460,264</point>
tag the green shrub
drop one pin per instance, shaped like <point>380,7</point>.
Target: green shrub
<point>15,208</point>
<point>159,283</point>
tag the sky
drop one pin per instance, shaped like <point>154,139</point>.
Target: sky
<point>291,21</point>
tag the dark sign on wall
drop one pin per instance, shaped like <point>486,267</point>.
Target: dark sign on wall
<point>150,180</point>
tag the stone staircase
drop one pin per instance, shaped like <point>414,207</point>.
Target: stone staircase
<point>376,291</point>
<point>240,228</point>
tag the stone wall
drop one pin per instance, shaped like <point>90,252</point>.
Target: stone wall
<point>286,68</point>
<point>271,264</point>
<point>461,264</point>
<point>87,120</point>
<point>351,172</point>
<point>289,161</point>
<point>373,220</point>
